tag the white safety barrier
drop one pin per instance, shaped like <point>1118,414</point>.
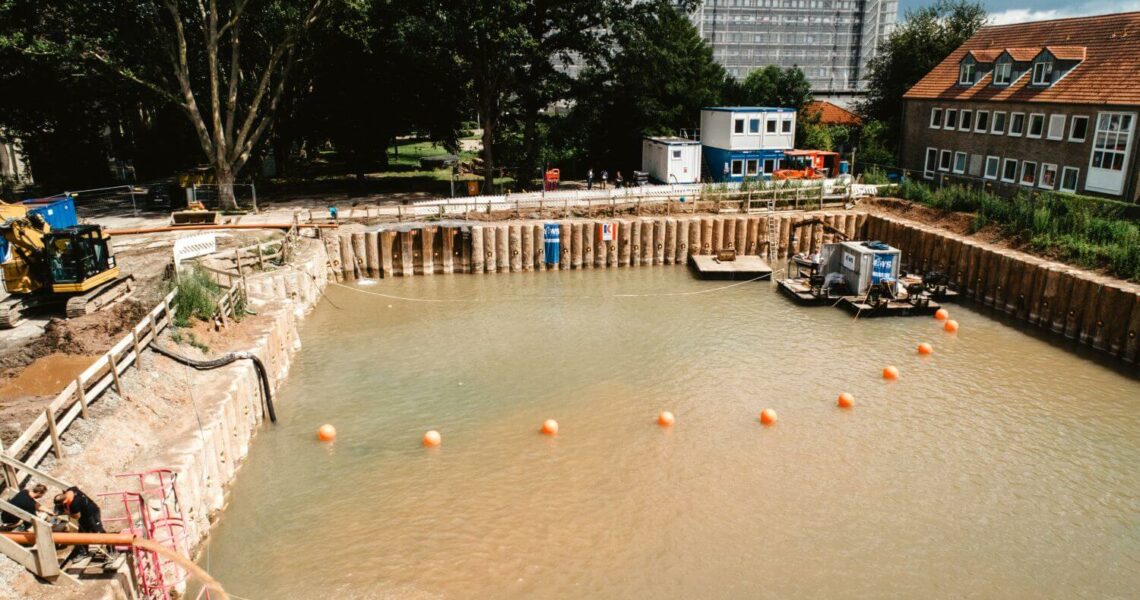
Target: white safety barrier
<point>193,246</point>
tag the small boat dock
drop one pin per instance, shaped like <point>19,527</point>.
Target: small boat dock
<point>712,266</point>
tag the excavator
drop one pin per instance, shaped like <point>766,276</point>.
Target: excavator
<point>808,164</point>
<point>71,267</point>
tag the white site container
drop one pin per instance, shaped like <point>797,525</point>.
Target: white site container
<point>671,159</point>
<point>861,266</point>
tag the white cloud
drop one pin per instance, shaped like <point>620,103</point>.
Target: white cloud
<point>1023,15</point>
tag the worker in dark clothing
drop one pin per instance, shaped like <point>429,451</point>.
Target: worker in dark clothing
<point>77,505</point>
<point>25,500</point>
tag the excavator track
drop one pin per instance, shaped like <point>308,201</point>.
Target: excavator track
<point>101,297</point>
<point>11,312</point>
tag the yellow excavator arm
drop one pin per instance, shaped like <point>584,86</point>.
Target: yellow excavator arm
<point>25,235</point>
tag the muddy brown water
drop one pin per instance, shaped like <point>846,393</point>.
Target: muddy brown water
<point>45,376</point>
<point>1001,466</point>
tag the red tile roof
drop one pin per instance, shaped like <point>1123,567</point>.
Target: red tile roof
<point>1109,44</point>
<point>986,56</point>
<point>830,114</point>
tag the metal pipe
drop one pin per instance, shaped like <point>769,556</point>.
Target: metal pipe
<point>64,538</point>
<point>140,230</point>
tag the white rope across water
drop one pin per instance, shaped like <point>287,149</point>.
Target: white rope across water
<point>550,297</point>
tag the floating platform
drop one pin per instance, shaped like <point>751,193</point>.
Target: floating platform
<point>744,267</point>
<point>894,308</point>
<point>797,289</point>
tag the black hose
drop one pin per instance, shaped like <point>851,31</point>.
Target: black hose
<point>203,365</point>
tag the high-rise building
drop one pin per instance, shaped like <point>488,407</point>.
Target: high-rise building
<point>830,40</point>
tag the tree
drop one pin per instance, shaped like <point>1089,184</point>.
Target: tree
<point>659,78</point>
<point>224,63</point>
<point>926,37</point>
<point>772,86</point>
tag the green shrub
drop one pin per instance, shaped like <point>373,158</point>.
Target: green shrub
<point>197,296</point>
<point>875,176</point>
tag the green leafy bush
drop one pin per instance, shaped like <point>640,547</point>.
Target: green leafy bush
<point>197,296</point>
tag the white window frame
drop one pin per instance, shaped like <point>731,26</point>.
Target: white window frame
<point>1041,176</point>
<point>1004,164</point>
<point>1042,71</point>
<point>967,73</point>
<point>1073,125</point>
<point>1012,118</point>
<point>771,125</point>
<point>978,121</point>
<point>676,154</point>
<point>742,122</point>
<point>1113,137</point>
<point>965,115</point>
<point>1076,180</point>
<point>1007,71</point>
<point>754,121</point>
<point>737,168</point>
<point>964,159</point>
<point>751,167</point>
<point>993,122</point>
<point>949,156</point>
<point>1060,128</point>
<point>1021,177</point>
<point>1029,126</point>
<point>936,117</point>
<point>928,165</point>
<point>946,122</point>
<point>768,165</point>
<point>986,168</point>
<point>786,125</point>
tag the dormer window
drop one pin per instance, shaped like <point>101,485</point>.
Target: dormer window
<point>1042,72</point>
<point>1003,73</point>
<point>967,73</point>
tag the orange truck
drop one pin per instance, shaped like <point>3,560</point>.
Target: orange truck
<point>808,164</point>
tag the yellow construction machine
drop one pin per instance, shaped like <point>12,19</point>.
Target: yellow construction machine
<point>72,267</point>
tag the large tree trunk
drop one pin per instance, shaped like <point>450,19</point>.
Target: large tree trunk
<point>488,123</point>
<point>225,175</point>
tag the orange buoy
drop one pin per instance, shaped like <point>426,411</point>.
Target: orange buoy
<point>925,348</point>
<point>665,419</point>
<point>846,400</point>
<point>550,427</point>
<point>326,433</point>
<point>767,416</point>
<point>432,439</point>
<point>942,314</point>
<point>890,373</point>
<point>951,326</point>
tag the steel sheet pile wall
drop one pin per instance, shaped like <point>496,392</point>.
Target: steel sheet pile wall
<point>1091,309</point>
<point>584,243</point>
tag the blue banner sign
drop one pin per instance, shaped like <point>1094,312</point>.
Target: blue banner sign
<point>551,242</point>
<point>882,266</point>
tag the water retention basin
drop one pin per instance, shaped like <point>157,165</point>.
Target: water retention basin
<point>999,466</point>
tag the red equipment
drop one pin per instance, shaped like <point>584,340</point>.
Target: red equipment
<point>808,164</point>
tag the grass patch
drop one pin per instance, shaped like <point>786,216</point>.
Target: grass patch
<point>1088,232</point>
<point>197,296</point>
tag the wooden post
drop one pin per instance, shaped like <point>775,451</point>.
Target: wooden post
<point>54,432</point>
<point>115,373</point>
<point>237,257</point>
<point>135,341</point>
<point>261,257</point>
<point>81,396</point>
<point>9,471</point>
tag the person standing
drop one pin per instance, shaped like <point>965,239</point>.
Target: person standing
<point>605,177</point>
<point>618,181</point>
<point>590,179</point>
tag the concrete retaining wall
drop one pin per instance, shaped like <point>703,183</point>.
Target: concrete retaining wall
<point>1090,309</point>
<point>425,249</point>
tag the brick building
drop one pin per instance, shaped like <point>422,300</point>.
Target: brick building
<point>1050,105</point>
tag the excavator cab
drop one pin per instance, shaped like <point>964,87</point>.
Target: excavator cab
<point>80,258</point>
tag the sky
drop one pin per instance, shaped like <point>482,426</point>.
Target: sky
<point>1019,11</point>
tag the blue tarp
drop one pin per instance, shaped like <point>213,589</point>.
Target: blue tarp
<point>552,242</point>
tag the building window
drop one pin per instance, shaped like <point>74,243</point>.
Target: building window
<point>738,126</point>
<point>944,160</point>
<point>1113,131</point>
<point>1056,127</point>
<point>1016,124</point>
<point>967,122</point>
<point>1009,170</point>
<point>786,126</point>
<point>1002,72</point>
<point>771,126</point>
<point>982,123</point>
<point>936,118</point>
<point>676,155</point>
<point>769,165</point>
<point>737,168</point>
<point>966,73</point>
<point>929,164</point>
<point>999,123</point>
<point>754,126</point>
<point>959,162</point>
<point>1042,72</point>
<point>1048,176</point>
<point>1069,176</point>
<point>1078,129</point>
<point>1036,125</point>
<point>992,163</point>
<point>951,119</point>
<point>753,167</point>
<point>1028,173</point>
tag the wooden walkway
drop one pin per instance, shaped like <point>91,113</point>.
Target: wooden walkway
<point>744,267</point>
